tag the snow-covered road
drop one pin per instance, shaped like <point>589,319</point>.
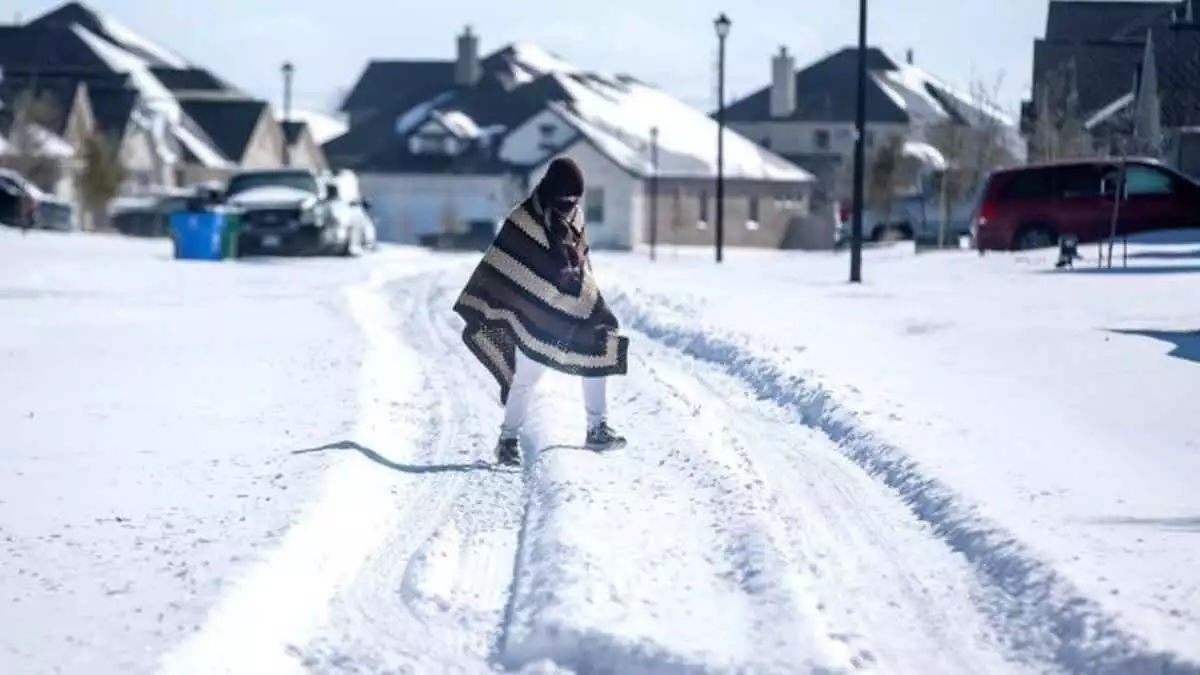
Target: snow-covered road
<point>282,466</point>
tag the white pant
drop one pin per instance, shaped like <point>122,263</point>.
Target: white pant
<point>520,395</point>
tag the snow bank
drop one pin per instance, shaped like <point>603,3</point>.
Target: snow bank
<point>149,411</point>
<point>1073,630</point>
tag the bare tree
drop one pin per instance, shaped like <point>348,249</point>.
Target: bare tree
<point>973,144</point>
<point>1058,130</point>
<point>887,170</point>
<point>29,140</point>
<point>101,177</point>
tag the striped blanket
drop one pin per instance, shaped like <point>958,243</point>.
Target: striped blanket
<point>516,299</point>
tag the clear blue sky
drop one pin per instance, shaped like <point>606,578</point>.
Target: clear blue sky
<point>670,43</point>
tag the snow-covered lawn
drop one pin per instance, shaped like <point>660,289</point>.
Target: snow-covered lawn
<point>964,465</point>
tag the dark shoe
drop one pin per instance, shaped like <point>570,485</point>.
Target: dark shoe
<point>602,437</point>
<point>508,452</point>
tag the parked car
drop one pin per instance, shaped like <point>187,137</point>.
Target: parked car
<point>146,217</point>
<point>24,204</point>
<point>346,190</point>
<point>914,216</point>
<point>1032,206</point>
<point>296,211</point>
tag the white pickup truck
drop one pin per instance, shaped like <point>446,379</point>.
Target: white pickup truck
<point>916,216</point>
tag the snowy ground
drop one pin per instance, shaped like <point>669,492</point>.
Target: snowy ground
<point>963,466</point>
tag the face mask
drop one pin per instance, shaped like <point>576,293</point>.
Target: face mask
<point>564,205</point>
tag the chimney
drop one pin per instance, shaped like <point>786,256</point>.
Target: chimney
<point>466,66</point>
<point>908,56</point>
<point>783,84</point>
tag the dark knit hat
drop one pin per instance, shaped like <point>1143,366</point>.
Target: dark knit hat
<point>562,179</point>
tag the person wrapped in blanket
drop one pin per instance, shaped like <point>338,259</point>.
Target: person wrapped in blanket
<point>532,304</point>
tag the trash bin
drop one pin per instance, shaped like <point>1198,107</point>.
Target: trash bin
<point>198,235</point>
<point>233,225</point>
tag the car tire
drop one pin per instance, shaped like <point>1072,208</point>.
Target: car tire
<point>1033,236</point>
<point>886,233</point>
<point>354,244</point>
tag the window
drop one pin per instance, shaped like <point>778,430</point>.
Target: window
<point>753,210</point>
<point>821,139</point>
<point>1079,181</point>
<point>593,206</point>
<point>1029,184</point>
<point>1143,180</point>
<point>704,207</point>
<point>870,139</point>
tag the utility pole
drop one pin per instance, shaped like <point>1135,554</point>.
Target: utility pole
<point>722,24</point>
<point>653,192</point>
<point>860,152</point>
<point>288,70</point>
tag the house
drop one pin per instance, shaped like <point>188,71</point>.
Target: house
<point>104,102</point>
<point>74,44</point>
<point>808,115</point>
<point>1120,76</point>
<point>448,146</point>
<point>1083,75</point>
<point>302,147</point>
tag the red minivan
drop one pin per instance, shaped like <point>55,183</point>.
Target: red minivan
<point>1031,206</point>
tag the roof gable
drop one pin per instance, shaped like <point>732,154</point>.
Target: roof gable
<point>113,109</point>
<point>230,123</point>
<point>60,97</point>
<point>1099,71</point>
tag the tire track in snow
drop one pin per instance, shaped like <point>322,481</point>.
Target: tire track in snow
<point>263,618</point>
<point>889,589</point>
<point>663,557</point>
<point>1043,614</point>
<point>432,599</point>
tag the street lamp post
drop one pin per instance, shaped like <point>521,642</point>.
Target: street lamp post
<point>722,24</point>
<point>288,70</point>
<point>653,192</point>
<point>860,153</point>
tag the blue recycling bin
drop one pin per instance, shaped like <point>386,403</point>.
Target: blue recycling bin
<point>199,235</point>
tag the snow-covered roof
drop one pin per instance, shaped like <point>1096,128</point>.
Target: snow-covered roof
<point>45,141</point>
<point>915,88</point>
<point>618,116</point>
<point>615,113</point>
<point>323,126</point>
<point>126,36</point>
<point>930,100</point>
<point>458,123</point>
<point>926,154</point>
<point>1107,112</point>
<point>157,98</point>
